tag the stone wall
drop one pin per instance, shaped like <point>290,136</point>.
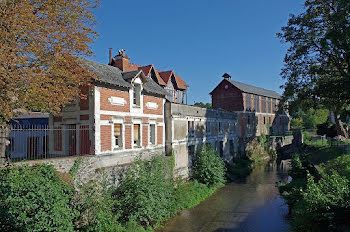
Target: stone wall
<point>111,166</point>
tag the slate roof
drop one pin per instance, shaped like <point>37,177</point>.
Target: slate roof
<point>106,73</point>
<point>151,86</point>
<point>255,90</point>
<point>129,75</point>
<point>113,75</point>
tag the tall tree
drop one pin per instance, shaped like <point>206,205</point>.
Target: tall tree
<point>40,41</point>
<point>317,64</point>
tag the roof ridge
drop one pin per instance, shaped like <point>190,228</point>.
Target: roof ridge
<point>254,86</point>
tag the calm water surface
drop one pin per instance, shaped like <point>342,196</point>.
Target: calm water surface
<point>253,205</point>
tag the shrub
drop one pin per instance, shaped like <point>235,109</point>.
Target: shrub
<point>298,169</point>
<point>146,193</point>
<point>324,206</point>
<point>307,136</point>
<point>296,123</point>
<point>341,164</point>
<point>95,205</point>
<point>208,167</point>
<point>34,199</point>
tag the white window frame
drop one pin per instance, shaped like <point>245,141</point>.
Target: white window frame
<point>155,134</point>
<point>140,135</point>
<point>116,120</point>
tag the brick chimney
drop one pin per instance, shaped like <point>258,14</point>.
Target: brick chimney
<point>121,61</point>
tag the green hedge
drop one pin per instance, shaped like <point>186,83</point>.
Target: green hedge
<point>34,199</point>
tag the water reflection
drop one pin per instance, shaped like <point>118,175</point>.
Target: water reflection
<point>250,205</point>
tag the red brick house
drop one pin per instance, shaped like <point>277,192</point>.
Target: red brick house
<point>123,111</point>
<point>168,80</point>
<point>257,106</point>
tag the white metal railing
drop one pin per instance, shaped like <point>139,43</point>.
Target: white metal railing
<point>30,142</point>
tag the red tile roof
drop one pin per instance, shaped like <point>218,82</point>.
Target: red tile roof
<point>166,75</point>
<point>180,83</point>
<point>147,70</point>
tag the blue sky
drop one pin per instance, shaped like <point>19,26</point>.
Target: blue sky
<point>199,39</point>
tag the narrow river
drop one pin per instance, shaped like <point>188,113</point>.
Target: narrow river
<point>253,205</point>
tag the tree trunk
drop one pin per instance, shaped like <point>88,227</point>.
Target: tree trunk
<point>339,126</point>
<point>4,133</point>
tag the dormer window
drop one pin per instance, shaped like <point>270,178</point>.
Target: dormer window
<point>137,94</point>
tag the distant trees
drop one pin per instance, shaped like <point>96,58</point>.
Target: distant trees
<point>203,105</point>
<point>40,41</point>
<point>317,64</point>
<point>309,119</point>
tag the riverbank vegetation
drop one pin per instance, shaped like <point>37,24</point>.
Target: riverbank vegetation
<point>319,193</point>
<point>37,198</point>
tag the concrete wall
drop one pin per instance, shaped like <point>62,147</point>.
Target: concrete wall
<point>188,127</point>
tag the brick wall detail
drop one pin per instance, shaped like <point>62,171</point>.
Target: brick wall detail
<point>157,100</point>
<point>106,139</point>
<point>127,119</point>
<point>144,135</point>
<point>128,137</point>
<point>105,117</point>
<point>160,135</point>
<point>106,105</point>
<point>229,98</point>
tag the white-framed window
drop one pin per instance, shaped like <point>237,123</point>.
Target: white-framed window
<point>137,94</point>
<point>152,134</point>
<point>137,135</point>
<point>118,135</point>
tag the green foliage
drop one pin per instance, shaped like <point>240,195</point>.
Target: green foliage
<point>203,105</point>
<point>296,123</point>
<point>324,205</point>
<point>317,143</point>
<point>34,199</point>
<point>146,193</point>
<point>132,226</point>
<point>309,119</point>
<point>93,201</point>
<point>315,67</point>
<point>208,167</point>
<point>74,169</point>
<point>307,136</point>
<point>188,195</point>
<point>319,203</point>
<point>341,164</point>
